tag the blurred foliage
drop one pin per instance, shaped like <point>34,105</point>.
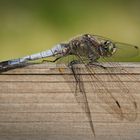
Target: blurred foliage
<point>29,26</point>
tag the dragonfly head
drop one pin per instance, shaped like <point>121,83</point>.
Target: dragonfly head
<point>107,48</point>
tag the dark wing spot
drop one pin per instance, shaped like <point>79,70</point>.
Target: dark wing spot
<point>118,104</point>
<point>136,47</point>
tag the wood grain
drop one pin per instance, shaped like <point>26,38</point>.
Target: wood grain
<point>36,103</point>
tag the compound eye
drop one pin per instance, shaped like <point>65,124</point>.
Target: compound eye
<point>87,35</point>
<point>107,42</point>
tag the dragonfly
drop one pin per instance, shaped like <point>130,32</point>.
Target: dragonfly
<point>80,54</point>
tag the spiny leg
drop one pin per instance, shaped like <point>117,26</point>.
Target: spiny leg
<point>53,61</point>
<point>97,64</point>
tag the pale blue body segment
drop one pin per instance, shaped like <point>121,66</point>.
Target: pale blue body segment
<point>56,50</point>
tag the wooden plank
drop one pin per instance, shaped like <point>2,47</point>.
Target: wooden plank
<point>36,102</point>
<point>15,98</point>
<point>49,68</point>
<point>63,117</point>
<point>45,87</point>
<point>58,78</point>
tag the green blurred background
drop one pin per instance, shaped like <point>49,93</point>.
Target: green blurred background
<point>30,26</point>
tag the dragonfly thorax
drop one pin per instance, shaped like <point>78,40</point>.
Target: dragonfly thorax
<point>85,46</point>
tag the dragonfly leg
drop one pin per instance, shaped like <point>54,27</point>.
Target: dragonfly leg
<point>97,64</point>
<point>73,63</point>
<point>51,60</point>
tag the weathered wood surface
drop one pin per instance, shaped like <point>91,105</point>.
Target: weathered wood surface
<point>37,103</point>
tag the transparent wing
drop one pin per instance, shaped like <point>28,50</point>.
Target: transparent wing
<point>112,93</point>
<point>76,84</point>
<point>103,93</point>
<point>114,99</point>
<point>115,75</point>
